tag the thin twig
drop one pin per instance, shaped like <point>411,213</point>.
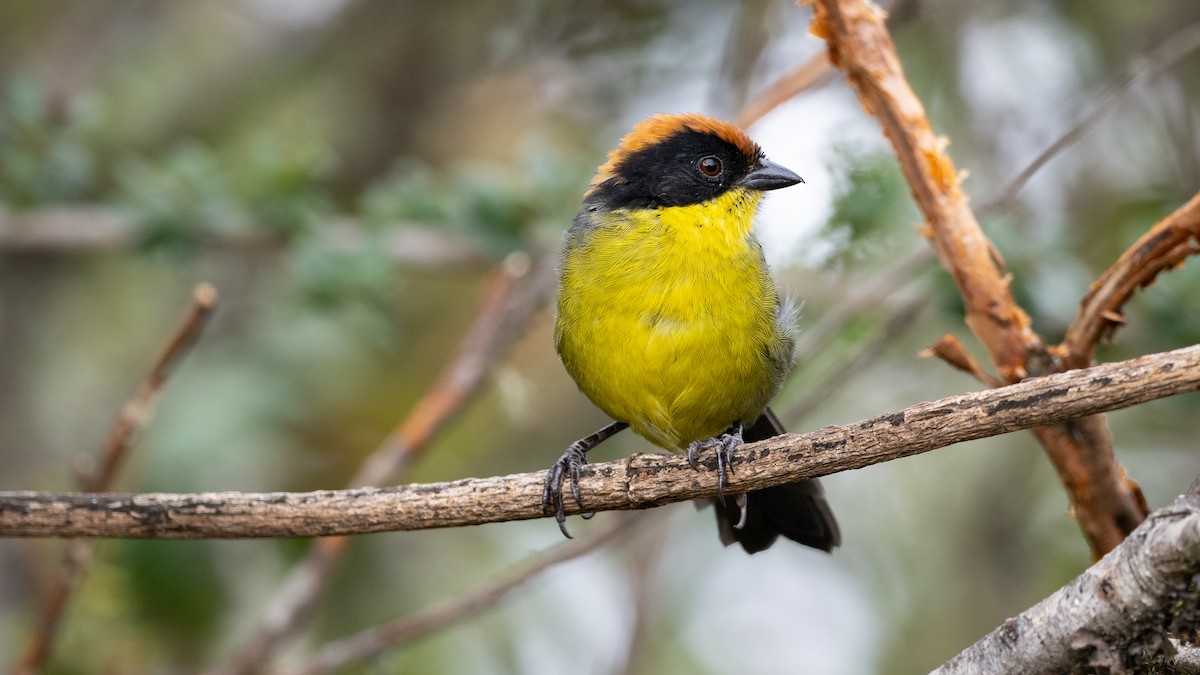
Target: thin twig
<point>1167,54</point>
<point>510,298</point>
<point>814,72</point>
<point>511,294</point>
<point>132,417</point>
<point>373,642</point>
<point>137,411</point>
<point>84,228</point>
<point>817,70</point>
<point>899,321</point>
<point>640,481</point>
<point>951,350</point>
<point>882,286</point>
<point>644,581</point>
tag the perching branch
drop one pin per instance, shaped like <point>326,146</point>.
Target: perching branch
<point>1115,615</point>
<point>640,481</point>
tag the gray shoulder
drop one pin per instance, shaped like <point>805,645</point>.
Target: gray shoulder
<point>584,220</point>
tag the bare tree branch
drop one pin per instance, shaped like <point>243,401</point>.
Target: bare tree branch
<point>806,76</point>
<point>860,45</point>
<point>1108,505</point>
<point>640,481</point>
<point>1115,615</point>
<point>133,416</point>
<point>1165,246</point>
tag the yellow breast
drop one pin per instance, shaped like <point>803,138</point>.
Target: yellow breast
<point>668,318</point>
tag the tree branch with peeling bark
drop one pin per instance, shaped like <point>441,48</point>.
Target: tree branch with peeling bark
<point>1107,504</point>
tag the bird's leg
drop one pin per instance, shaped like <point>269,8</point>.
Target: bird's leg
<point>724,445</point>
<point>568,465</point>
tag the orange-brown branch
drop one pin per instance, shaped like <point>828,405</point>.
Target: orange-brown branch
<point>804,77</point>
<point>1164,247</point>
<point>1107,504</point>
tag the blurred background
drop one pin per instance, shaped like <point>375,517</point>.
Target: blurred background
<point>347,173</point>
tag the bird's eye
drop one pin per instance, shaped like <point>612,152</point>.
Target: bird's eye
<point>709,166</point>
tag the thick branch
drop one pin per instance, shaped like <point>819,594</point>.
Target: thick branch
<point>640,481</point>
<point>860,45</point>
<point>1108,505</point>
<point>1113,616</point>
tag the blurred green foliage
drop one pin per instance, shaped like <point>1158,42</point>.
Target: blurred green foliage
<point>45,157</point>
<point>871,197</point>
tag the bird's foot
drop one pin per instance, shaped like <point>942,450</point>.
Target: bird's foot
<point>724,445</point>
<point>567,466</point>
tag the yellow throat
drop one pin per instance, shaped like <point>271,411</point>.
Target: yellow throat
<point>668,318</point>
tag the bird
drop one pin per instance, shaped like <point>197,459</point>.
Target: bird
<point>669,321</point>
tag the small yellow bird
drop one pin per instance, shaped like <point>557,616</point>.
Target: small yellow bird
<point>669,320</point>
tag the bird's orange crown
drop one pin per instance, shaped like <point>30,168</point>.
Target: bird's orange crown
<point>662,126</point>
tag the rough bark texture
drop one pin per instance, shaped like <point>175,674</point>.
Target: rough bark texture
<point>1115,616</point>
<point>640,481</point>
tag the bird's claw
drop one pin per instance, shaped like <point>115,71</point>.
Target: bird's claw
<point>567,466</point>
<point>724,445</point>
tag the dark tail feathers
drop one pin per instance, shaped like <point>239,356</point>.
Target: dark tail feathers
<point>797,511</point>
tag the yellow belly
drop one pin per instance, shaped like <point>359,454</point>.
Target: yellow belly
<point>668,320</point>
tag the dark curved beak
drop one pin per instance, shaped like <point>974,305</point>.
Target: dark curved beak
<point>769,176</point>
